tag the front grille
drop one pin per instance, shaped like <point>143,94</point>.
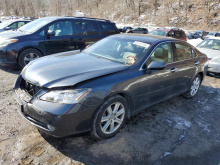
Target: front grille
<point>30,88</point>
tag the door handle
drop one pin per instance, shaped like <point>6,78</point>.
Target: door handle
<point>197,62</point>
<point>173,70</point>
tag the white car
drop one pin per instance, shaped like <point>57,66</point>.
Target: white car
<point>210,47</point>
<point>214,65</point>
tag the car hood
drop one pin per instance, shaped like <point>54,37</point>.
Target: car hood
<point>209,52</point>
<point>11,34</point>
<point>68,69</point>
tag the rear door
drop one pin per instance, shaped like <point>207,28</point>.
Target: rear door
<point>63,40</point>
<point>86,33</point>
<point>185,65</point>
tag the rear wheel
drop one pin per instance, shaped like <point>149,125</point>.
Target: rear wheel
<point>110,118</point>
<point>193,88</point>
<point>27,56</point>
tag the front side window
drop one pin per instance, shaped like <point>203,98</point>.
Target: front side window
<point>182,51</point>
<point>162,53</point>
<point>62,28</point>
<point>117,49</point>
<point>13,26</point>
<point>86,28</point>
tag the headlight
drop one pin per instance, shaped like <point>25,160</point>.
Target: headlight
<point>5,41</point>
<point>65,96</point>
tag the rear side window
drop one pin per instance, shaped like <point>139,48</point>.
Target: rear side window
<point>107,28</point>
<point>182,52</point>
<point>62,28</point>
<point>86,28</point>
<point>178,34</point>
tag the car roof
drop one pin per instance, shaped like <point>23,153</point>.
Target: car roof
<point>145,37</point>
<point>71,17</point>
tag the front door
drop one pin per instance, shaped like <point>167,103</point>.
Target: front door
<point>63,40</point>
<point>156,85</point>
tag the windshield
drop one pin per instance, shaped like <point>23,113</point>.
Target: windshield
<point>158,33</point>
<point>211,34</point>
<point>121,50</point>
<point>35,25</point>
<point>210,44</point>
<point>5,24</point>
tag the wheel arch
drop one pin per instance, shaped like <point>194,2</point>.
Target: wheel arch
<point>29,47</point>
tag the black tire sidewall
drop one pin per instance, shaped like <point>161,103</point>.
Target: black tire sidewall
<point>188,93</point>
<point>24,53</point>
<point>96,123</point>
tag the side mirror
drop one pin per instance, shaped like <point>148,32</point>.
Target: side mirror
<point>156,65</point>
<point>51,33</point>
<point>7,28</point>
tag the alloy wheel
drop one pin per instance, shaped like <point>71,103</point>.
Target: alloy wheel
<point>195,86</point>
<point>112,118</point>
<point>30,57</point>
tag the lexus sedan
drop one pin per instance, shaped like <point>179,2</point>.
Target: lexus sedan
<point>99,88</point>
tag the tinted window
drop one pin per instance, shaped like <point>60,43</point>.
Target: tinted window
<point>107,28</point>
<point>62,28</point>
<point>86,28</point>
<point>162,53</point>
<point>183,51</point>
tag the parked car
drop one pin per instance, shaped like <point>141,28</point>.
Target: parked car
<point>213,34</point>
<point>214,65</point>
<point>174,33</point>
<point>192,35</point>
<point>137,30</point>
<point>12,25</point>
<point>210,46</point>
<point>125,28</point>
<point>98,89</point>
<point>51,35</point>
<point>201,34</point>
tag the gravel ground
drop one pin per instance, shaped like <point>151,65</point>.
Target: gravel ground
<point>177,131</point>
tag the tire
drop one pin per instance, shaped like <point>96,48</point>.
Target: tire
<point>28,54</point>
<point>194,87</point>
<point>107,124</point>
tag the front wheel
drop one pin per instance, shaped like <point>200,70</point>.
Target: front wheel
<point>27,56</point>
<point>193,88</point>
<point>110,118</point>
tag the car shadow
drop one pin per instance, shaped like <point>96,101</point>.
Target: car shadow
<point>14,70</point>
<point>175,131</point>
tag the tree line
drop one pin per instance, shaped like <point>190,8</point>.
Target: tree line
<point>160,12</point>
